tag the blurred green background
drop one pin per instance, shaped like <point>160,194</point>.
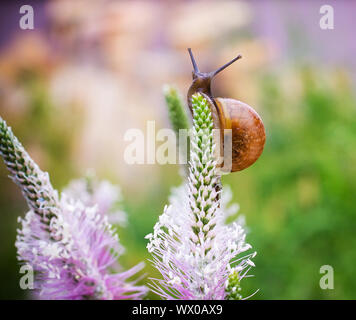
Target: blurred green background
<point>88,72</point>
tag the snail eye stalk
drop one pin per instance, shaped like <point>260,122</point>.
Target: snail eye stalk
<point>214,73</point>
<point>195,67</point>
<point>226,65</point>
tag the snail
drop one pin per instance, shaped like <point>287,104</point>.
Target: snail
<point>246,136</point>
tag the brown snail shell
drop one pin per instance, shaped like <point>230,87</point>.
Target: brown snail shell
<point>247,132</point>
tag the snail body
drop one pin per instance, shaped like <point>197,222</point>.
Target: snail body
<point>239,124</point>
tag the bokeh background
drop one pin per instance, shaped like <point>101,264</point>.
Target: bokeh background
<point>90,70</point>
